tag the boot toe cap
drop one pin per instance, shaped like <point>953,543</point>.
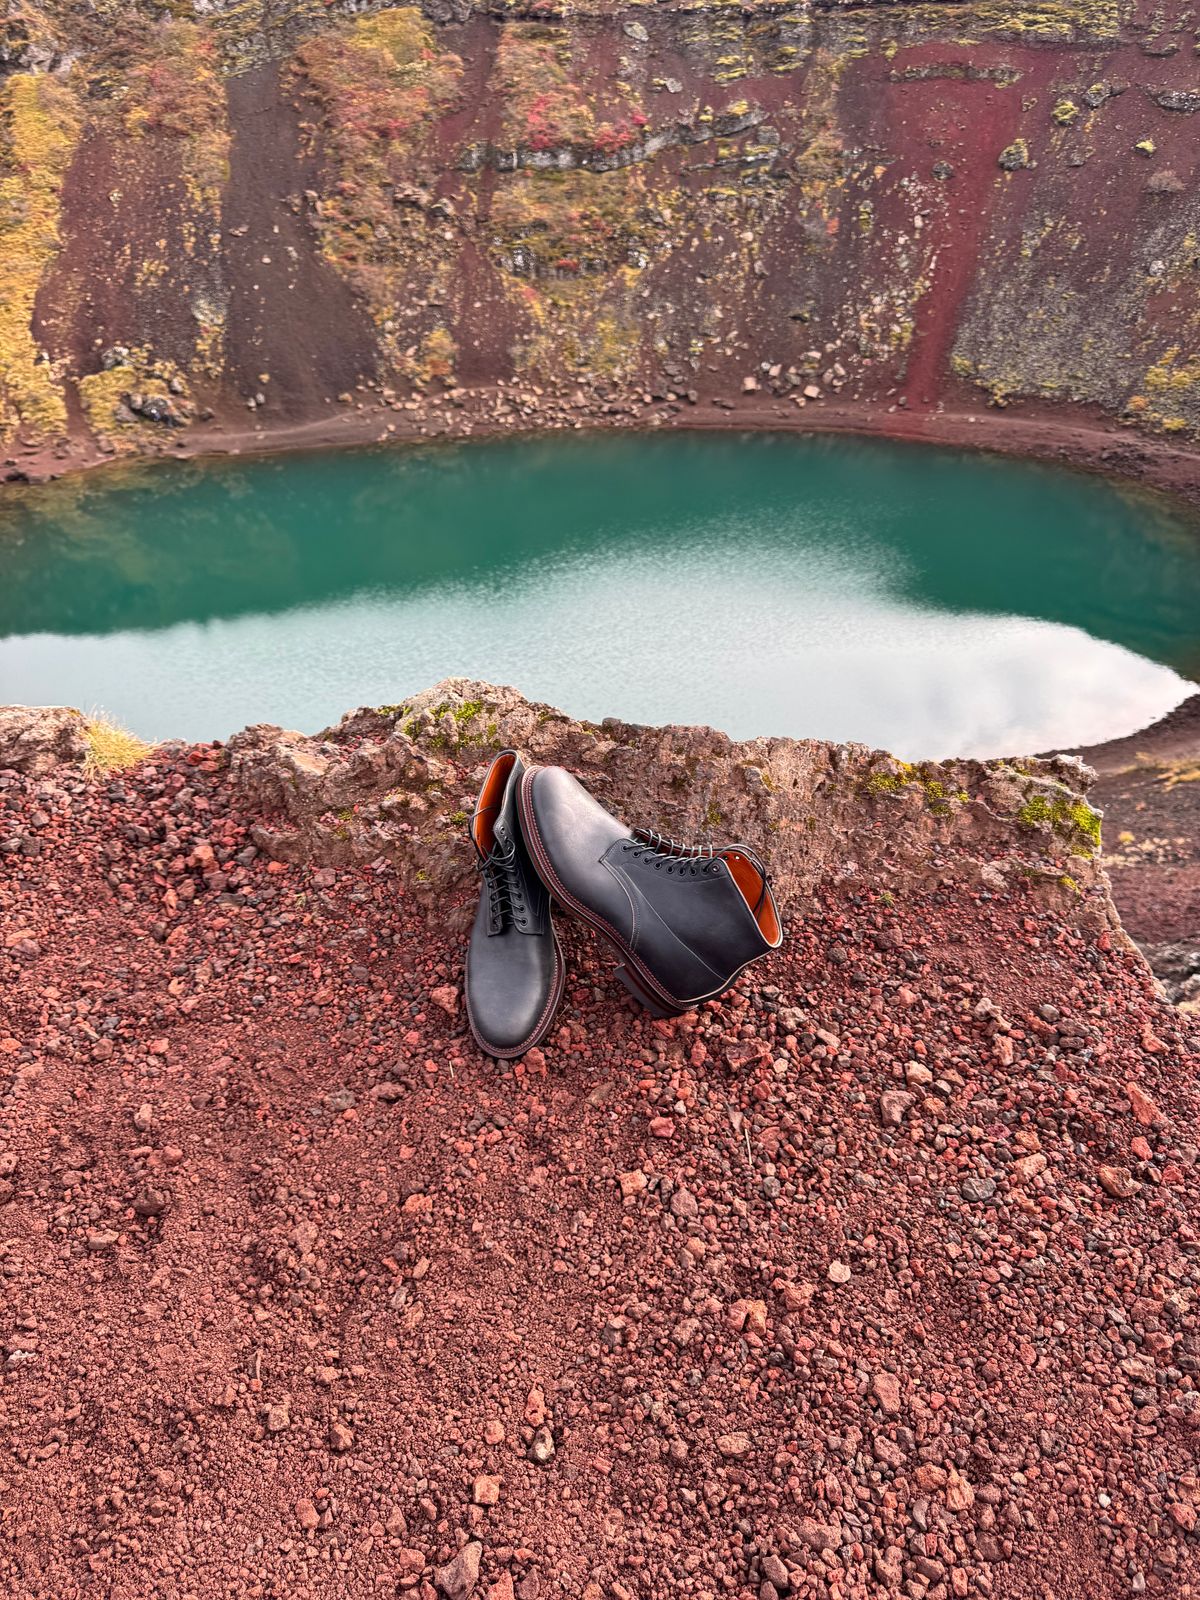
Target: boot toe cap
<point>509,1024</point>
<point>511,991</point>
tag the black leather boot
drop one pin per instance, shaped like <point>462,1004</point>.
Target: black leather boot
<point>685,918</point>
<point>515,971</point>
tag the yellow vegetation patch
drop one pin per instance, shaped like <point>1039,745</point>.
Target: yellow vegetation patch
<point>438,353</point>
<point>102,395</point>
<point>1179,772</point>
<point>543,108</point>
<point>379,86</point>
<point>111,748</point>
<point>1172,386</point>
<point>39,129</point>
<point>1173,375</point>
<point>571,222</point>
<point>170,83</point>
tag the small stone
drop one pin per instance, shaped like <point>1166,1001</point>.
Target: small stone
<point>446,996</point>
<point>892,1106</point>
<point>774,1571</point>
<point>493,1431</point>
<point>662,1127</point>
<point>838,1272</point>
<point>818,1535</point>
<point>1145,1112</point>
<point>977,1190</point>
<point>541,1448</point>
<point>632,1184</point>
<point>277,1418</point>
<point>1029,1166</point>
<point>930,1476</point>
<point>1014,156</point>
<point>886,1388</point>
<point>306,1516</point>
<point>684,1205</point>
<point>485,1491</point>
<point>100,1239</point>
<point>735,1445</point>
<point>959,1494</point>
<point>143,1117</point>
<point>795,1296</point>
<point>1118,1182</point>
<point>458,1578</point>
<point>340,1436</point>
<point>750,1315</point>
<point>915,1073</point>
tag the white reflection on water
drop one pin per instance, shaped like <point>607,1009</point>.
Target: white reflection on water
<point>798,642</point>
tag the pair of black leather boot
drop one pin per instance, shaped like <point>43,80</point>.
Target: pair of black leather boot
<point>684,919</point>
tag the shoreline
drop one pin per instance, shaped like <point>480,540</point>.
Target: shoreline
<point>1038,433</point>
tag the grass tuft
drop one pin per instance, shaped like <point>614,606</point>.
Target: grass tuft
<point>111,748</point>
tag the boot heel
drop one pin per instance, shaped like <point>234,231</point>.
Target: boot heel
<point>653,1005</point>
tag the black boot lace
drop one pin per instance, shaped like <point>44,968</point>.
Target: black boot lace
<point>506,902</point>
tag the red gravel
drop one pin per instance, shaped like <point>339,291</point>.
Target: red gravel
<point>879,1279</point>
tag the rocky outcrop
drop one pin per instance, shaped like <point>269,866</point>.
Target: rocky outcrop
<point>36,739</point>
<point>399,782</point>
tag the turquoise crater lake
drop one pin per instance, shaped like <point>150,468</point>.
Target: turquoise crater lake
<point>928,601</point>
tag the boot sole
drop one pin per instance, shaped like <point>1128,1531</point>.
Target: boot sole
<point>542,1026</point>
<point>644,988</point>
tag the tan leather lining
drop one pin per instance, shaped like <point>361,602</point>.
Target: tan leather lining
<point>756,895</point>
<point>490,799</point>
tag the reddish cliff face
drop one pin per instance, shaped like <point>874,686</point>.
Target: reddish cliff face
<point>263,217</point>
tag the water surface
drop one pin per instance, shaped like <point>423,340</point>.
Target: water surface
<point>929,601</point>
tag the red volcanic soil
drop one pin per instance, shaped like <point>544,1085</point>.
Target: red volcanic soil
<point>878,1278</point>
